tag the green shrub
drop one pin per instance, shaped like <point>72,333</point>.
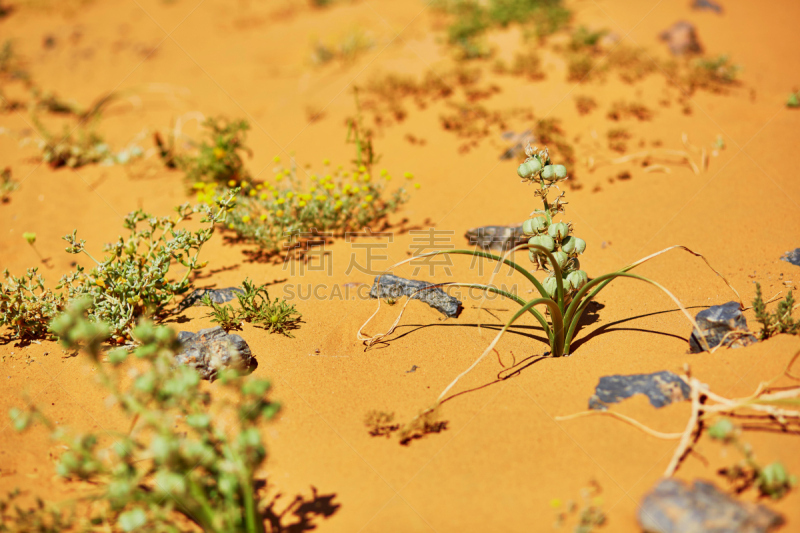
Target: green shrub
<point>131,281</point>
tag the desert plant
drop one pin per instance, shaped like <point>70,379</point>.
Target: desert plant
<point>131,280</point>
<point>713,74</point>
<point>299,204</point>
<point>217,160</point>
<point>470,19</point>
<point>794,100</point>
<point>566,291</point>
<point>771,480</point>
<point>780,320</point>
<point>344,49</point>
<point>585,104</point>
<point>256,307</point>
<point>178,458</point>
<point>7,185</point>
<point>79,146</point>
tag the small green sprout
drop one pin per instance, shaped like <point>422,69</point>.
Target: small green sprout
<point>771,480</point>
<point>256,307</point>
<point>793,101</point>
<point>780,320</point>
<point>29,237</point>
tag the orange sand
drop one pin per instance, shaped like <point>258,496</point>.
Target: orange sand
<point>503,458</point>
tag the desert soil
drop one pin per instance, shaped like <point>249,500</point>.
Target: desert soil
<point>503,457</point>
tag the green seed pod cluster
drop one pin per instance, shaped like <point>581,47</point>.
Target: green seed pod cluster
<point>546,236</point>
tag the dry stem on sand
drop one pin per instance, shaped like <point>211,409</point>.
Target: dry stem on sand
<point>762,401</point>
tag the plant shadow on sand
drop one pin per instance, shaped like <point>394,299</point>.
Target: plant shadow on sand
<point>301,511</point>
<point>312,247</point>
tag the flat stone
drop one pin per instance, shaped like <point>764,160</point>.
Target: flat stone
<point>661,388</point>
<point>674,507</point>
<point>218,296</point>
<point>718,321</point>
<point>211,350</point>
<point>681,38</point>
<point>792,257</point>
<point>395,287</point>
<point>706,5</point>
<point>500,238</point>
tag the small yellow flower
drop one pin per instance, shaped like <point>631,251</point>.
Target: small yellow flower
<point>100,283</point>
<point>280,201</point>
<point>355,190</point>
<point>260,186</point>
<point>276,159</point>
<point>290,195</point>
<point>252,192</point>
<point>230,226</point>
<point>275,194</point>
<point>330,186</point>
<point>336,195</point>
<point>408,175</point>
<point>326,162</point>
<point>346,187</point>
<point>555,503</point>
<point>384,172</point>
<point>263,196</point>
<point>301,203</point>
<point>417,185</point>
<point>368,198</point>
<point>263,217</point>
<point>219,153</point>
<point>306,197</point>
<point>313,189</point>
<point>246,219</point>
<point>362,168</point>
<point>198,185</point>
<point>271,187</point>
<point>279,213</point>
<point>338,205</point>
<point>321,197</point>
<point>388,178</point>
<point>279,177</point>
<point>363,206</point>
<point>232,183</point>
<point>314,177</point>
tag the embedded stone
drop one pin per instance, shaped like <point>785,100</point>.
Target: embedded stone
<point>211,350</point>
<point>721,324</point>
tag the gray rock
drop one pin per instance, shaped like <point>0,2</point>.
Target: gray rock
<point>706,4</point>
<point>218,296</point>
<point>674,507</point>
<point>718,321</point>
<point>681,38</point>
<point>395,287</point>
<point>792,257</point>
<point>211,350</point>
<point>500,238</point>
<point>661,388</point>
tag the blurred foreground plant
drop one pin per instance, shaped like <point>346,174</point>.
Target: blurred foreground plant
<point>179,457</point>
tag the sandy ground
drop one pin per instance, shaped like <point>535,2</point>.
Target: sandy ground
<point>503,457</point>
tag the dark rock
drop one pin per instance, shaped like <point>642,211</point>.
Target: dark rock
<point>661,388</point>
<point>501,238</point>
<point>673,507</point>
<point>707,4</point>
<point>218,296</point>
<point>211,350</point>
<point>718,321</point>
<point>792,257</point>
<point>681,38</point>
<point>395,287</point>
